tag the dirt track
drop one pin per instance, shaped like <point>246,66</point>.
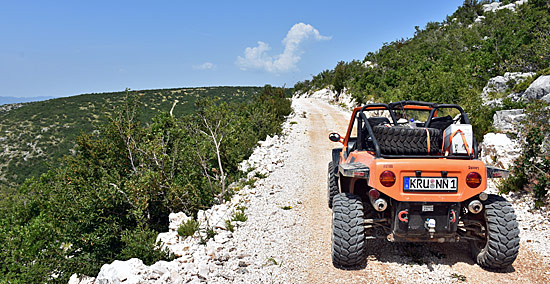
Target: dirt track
<point>386,262</point>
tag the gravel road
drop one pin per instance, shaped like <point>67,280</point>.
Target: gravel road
<point>293,245</point>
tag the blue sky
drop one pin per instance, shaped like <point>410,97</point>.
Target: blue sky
<point>63,48</point>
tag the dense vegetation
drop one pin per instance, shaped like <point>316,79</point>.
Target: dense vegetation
<point>531,171</point>
<point>451,61</point>
<point>35,136</point>
<point>110,199</point>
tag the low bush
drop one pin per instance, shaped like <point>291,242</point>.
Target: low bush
<point>188,228</point>
<point>240,216</point>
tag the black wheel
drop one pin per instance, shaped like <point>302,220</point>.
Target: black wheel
<point>500,245</point>
<point>332,183</point>
<point>348,233</point>
<point>407,141</point>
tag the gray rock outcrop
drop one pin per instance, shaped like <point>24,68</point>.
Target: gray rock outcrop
<point>508,120</point>
<point>501,84</point>
<point>539,89</point>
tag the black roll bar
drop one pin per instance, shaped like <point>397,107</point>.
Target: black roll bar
<point>371,134</point>
<point>390,107</point>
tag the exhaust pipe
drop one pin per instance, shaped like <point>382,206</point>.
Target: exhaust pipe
<point>475,206</point>
<point>380,204</point>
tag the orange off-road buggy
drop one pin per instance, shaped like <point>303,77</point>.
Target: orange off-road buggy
<point>410,172</point>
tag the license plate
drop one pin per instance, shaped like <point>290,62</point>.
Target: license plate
<point>449,184</point>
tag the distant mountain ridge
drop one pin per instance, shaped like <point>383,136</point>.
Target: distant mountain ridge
<point>16,100</point>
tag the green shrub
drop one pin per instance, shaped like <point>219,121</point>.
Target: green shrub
<point>140,243</point>
<point>230,227</point>
<point>259,175</point>
<point>188,228</point>
<point>523,85</point>
<point>250,182</point>
<point>209,234</point>
<point>240,216</point>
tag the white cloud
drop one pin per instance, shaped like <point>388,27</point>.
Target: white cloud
<point>258,58</point>
<point>205,66</point>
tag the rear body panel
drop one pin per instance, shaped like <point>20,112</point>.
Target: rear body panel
<point>428,168</point>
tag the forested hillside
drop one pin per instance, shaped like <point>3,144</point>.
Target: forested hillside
<point>450,61</point>
<point>36,135</point>
<point>111,198</point>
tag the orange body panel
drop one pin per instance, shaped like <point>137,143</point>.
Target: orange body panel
<point>430,168</point>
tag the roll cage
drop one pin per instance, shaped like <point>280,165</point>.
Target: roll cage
<point>366,136</point>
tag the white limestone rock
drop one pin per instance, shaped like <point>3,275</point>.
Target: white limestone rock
<point>223,237</point>
<point>346,100</point>
<point>83,279</point>
<point>495,6</point>
<point>171,240</point>
<point>499,150</point>
<point>479,19</point>
<point>370,64</point>
<point>491,7</point>
<point>203,270</point>
<point>215,217</point>
<point>127,272</point>
<point>324,94</point>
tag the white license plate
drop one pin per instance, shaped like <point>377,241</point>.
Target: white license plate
<point>430,184</point>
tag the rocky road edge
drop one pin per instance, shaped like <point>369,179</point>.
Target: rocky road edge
<point>221,259</point>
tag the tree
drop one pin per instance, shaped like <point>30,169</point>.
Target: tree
<point>339,78</point>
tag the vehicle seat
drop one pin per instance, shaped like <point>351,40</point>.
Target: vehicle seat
<point>441,122</point>
<point>377,120</point>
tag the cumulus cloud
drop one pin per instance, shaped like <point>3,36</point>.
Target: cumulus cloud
<point>205,66</point>
<point>258,57</point>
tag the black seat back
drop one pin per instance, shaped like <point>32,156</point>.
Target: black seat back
<point>377,120</point>
<point>441,122</point>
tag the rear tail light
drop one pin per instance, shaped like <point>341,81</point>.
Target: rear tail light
<point>387,178</point>
<point>473,179</point>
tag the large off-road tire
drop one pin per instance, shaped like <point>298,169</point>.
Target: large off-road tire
<point>407,141</point>
<point>501,246</point>
<point>348,233</point>
<point>332,183</point>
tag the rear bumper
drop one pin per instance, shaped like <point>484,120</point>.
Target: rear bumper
<point>425,221</point>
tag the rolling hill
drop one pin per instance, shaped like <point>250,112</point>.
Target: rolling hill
<point>34,136</point>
